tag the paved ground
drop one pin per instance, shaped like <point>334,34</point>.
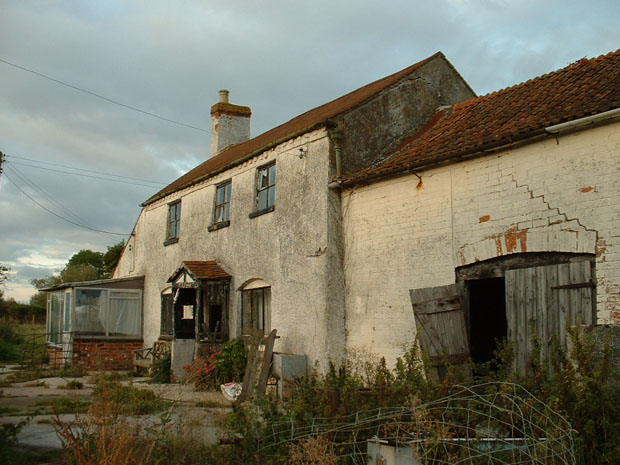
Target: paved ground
<point>192,414</point>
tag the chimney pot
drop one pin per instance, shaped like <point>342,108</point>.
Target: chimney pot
<point>224,96</point>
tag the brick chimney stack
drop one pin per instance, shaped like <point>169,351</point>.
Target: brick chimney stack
<point>230,124</point>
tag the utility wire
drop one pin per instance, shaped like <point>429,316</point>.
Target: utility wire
<point>58,81</point>
<point>78,174</point>
<point>59,216</point>
<point>84,170</point>
<point>47,196</point>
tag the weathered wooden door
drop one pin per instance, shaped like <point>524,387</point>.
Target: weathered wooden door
<point>441,329</point>
<point>542,301</point>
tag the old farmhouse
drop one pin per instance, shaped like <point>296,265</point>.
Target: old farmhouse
<point>409,206</point>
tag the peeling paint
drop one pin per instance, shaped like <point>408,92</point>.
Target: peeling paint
<point>484,219</point>
<point>601,247</point>
<point>586,189</point>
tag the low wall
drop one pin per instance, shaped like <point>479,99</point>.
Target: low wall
<point>97,354</point>
<point>54,354</point>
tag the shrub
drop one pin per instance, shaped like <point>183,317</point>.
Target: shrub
<point>215,367</point>
<point>230,363</point>
<point>161,372</point>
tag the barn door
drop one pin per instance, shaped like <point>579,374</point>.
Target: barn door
<point>542,302</point>
<point>441,329</point>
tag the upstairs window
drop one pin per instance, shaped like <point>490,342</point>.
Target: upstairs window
<point>265,189</point>
<point>173,227</point>
<point>221,213</point>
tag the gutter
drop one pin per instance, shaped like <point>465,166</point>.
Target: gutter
<point>605,117</point>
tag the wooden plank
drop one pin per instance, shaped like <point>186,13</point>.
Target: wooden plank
<point>440,322</point>
<point>265,366</point>
<point>541,310</point>
<point>563,302</point>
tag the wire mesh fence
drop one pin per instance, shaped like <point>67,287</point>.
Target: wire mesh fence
<point>43,348</point>
<point>491,423</point>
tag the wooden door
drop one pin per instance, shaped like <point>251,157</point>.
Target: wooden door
<point>441,329</point>
<point>542,302</point>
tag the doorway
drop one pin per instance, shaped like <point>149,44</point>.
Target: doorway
<point>488,325</point>
<point>184,314</point>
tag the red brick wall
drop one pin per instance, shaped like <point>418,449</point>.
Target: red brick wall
<point>55,356</point>
<point>104,355</point>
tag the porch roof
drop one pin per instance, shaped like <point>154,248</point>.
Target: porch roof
<point>201,270</point>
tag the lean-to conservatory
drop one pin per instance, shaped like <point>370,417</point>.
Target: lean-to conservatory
<point>95,324</point>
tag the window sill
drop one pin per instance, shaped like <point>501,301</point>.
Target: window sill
<point>172,240</point>
<point>262,212</point>
<point>216,226</point>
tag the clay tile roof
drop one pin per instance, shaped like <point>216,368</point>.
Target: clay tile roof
<point>305,122</point>
<point>205,270</point>
<point>515,114</point>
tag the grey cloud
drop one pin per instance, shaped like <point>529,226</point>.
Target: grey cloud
<point>281,59</point>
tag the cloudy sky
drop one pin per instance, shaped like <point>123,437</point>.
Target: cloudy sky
<point>281,58</point>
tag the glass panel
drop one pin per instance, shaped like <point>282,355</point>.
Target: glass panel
<point>259,309</point>
<point>267,306</point>
<point>90,306</point>
<point>263,200</point>
<point>272,175</point>
<point>67,325</point>
<point>56,303</point>
<point>123,316</point>
<point>271,199</point>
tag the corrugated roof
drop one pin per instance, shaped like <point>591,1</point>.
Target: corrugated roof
<point>305,122</point>
<point>515,114</point>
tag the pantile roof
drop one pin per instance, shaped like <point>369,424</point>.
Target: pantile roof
<point>512,115</point>
<point>305,122</point>
<point>203,270</point>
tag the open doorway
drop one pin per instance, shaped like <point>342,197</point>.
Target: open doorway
<point>488,325</point>
<point>185,309</point>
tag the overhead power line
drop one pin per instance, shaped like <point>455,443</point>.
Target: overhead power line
<point>84,170</point>
<point>48,197</point>
<point>78,174</point>
<point>59,216</point>
<point>94,94</point>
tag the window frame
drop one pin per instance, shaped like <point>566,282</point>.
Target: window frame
<point>269,189</point>
<point>166,328</point>
<point>218,206</point>
<point>112,294</point>
<point>257,321</point>
<point>173,223</point>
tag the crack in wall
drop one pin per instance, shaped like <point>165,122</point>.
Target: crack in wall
<point>550,208</point>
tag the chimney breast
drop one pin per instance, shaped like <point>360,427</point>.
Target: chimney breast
<point>230,124</point>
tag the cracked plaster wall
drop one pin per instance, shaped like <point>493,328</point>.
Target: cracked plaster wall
<point>401,234</point>
<point>295,248</point>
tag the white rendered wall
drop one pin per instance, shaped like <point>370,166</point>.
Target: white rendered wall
<point>293,248</point>
<point>400,234</point>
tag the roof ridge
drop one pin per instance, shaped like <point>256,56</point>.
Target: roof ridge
<point>302,123</point>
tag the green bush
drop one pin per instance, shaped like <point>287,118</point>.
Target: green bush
<point>230,363</point>
<point>161,372</point>
<point>10,341</point>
